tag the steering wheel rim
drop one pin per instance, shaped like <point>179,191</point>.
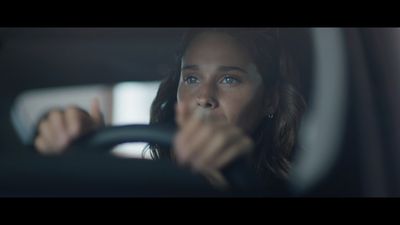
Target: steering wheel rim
<point>238,173</point>
<point>103,140</point>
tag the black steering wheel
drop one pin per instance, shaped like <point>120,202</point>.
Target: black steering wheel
<point>239,175</point>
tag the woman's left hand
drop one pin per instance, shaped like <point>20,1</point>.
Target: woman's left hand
<point>207,145</point>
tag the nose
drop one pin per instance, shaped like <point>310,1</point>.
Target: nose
<point>206,98</point>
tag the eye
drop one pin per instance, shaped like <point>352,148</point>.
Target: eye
<point>227,79</point>
<point>190,79</point>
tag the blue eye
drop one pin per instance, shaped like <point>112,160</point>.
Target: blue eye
<point>191,79</point>
<point>229,80</point>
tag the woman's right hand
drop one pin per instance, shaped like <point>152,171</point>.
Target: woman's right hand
<point>60,128</point>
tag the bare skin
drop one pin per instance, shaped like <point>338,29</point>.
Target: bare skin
<point>217,77</point>
<point>61,128</point>
<point>220,101</point>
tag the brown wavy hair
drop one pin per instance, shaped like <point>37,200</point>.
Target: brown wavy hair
<point>275,139</point>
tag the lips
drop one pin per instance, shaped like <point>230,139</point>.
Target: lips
<point>208,115</point>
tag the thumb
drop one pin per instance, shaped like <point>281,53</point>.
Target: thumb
<point>96,113</point>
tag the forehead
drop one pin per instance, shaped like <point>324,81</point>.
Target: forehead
<point>215,48</point>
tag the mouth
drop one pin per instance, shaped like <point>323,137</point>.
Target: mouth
<point>202,113</point>
<point>208,115</point>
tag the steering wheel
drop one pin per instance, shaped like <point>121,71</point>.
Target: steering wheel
<point>238,173</point>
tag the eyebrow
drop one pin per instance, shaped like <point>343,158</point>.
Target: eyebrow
<point>220,68</point>
<point>230,68</point>
<point>190,67</point>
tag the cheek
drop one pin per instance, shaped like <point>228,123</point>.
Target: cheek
<point>182,94</point>
<point>185,96</point>
<point>244,109</point>
<point>179,94</point>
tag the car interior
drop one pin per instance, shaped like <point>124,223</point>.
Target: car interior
<point>349,135</point>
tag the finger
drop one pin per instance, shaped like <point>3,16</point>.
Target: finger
<point>244,146</point>
<point>57,123</point>
<point>216,179</point>
<point>188,128</point>
<point>41,145</point>
<point>217,144</point>
<point>193,141</point>
<point>96,113</point>
<point>46,134</point>
<point>74,120</point>
<point>204,115</point>
<point>192,144</point>
<point>208,117</point>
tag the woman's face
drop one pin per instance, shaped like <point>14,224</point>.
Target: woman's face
<point>217,74</point>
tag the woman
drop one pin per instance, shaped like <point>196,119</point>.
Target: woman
<point>231,94</point>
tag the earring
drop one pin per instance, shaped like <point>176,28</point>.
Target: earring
<point>270,116</point>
